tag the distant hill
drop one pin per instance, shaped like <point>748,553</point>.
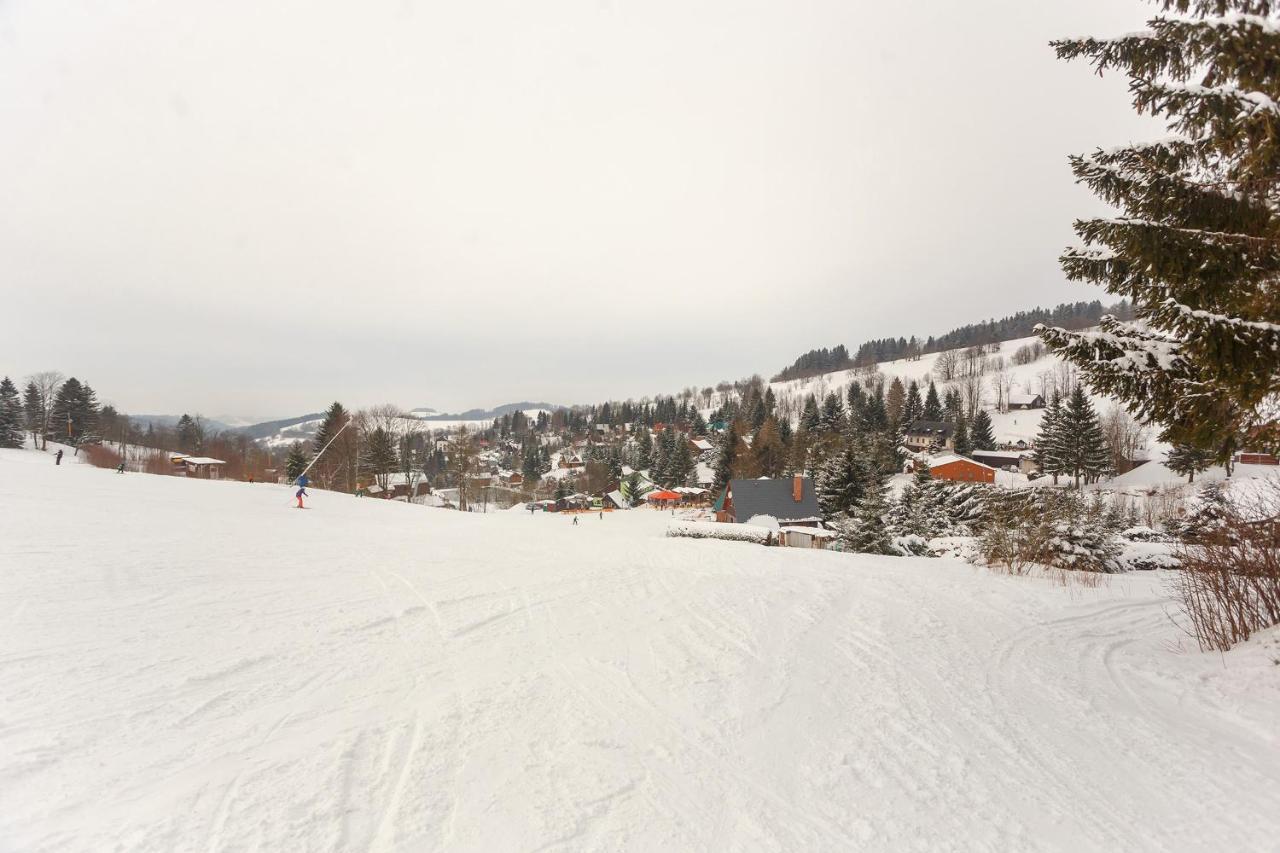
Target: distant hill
<point>486,414</point>
<point>1070,315</point>
<point>210,424</point>
<point>270,428</point>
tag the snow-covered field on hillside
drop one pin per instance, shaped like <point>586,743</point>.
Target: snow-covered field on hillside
<point>194,665</point>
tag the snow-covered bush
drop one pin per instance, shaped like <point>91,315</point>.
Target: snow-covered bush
<point>1147,556</point>
<point>1142,533</point>
<point>1229,581</point>
<point>720,530</point>
<point>1025,527</point>
<point>911,546</point>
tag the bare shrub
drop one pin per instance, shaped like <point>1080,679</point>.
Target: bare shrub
<point>158,463</point>
<point>1229,583</point>
<point>100,456</point>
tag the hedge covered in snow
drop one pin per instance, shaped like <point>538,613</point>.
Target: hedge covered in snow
<point>718,530</point>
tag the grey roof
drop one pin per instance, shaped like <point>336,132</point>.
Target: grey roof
<point>773,497</point>
<point>942,429</point>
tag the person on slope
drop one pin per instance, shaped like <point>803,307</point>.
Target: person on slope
<point>302,490</point>
<point>120,468</point>
<point>57,459</point>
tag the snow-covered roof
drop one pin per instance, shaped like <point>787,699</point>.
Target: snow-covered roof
<point>199,460</point>
<point>948,458</point>
<point>815,532</point>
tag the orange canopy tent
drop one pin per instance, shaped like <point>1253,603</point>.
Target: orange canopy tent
<point>663,495</point>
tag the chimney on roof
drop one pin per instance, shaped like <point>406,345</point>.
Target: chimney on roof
<point>797,488</point>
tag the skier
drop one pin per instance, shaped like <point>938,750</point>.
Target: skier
<point>302,490</point>
<point>575,521</point>
<point>57,459</point>
<point>120,468</point>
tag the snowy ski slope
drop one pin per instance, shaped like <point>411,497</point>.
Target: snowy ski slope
<point>193,665</point>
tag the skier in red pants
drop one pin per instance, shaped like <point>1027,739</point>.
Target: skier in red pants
<point>302,490</point>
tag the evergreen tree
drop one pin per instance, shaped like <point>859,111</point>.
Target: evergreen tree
<point>644,450</point>
<point>1050,452</point>
<point>1083,443</point>
<point>726,457</point>
<point>833,413</point>
<point>1189,460</point>
<point>932,405</point>
<point>913,408</point>
<point>980,432</point>
<point>380,457</point>
<point>614,462</point>
<point>33,413</point>
<point>296,462</point>
<point>952,407</point>
<point>1207,516</point>
<point>188,434</point>
<point>11,419</point>
<point>960,438</point>
<point>1194,246</point>
<point>75,413</point>
<point>842,483</point>
<point>865,531</point>
<point>810,418</point>
<point>531,468</point>
<point>767,447</point>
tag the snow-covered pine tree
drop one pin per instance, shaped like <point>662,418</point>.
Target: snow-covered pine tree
<point>726,456</point>
<point>11,427</point>
<point>1195,247</point>
<point>380,458</point>
<point>913,408</point>
<point>842,482</point>
<point>932,405</point>
<point>1083,443</point>
<point>1188,459</point>
<point>864,530</point>
<point>810,418</point>
<point>833,413</point>
<point>33,412</point>
<point>1050,451</point>
<point>679,461</point>
<point>296,462</point>
<point>952,406</point>
<point>1207,516</point>
<point>980,433</point>
<point>643,459</point>
<point>960,437</point>
<point>767,447</point>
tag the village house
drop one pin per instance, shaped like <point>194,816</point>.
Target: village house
<point>1007,460</point>
<point>805,537</point>
<point>961,470</point>
<point>1026,401</point>
<point>792,501</point>
<point>203,467</point>
<point>699,446</point>
<point>927,435</point>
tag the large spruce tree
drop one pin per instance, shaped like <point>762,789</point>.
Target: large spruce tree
<point>1196,246</point>
<point>11,419</point>
<point>1081,441</point>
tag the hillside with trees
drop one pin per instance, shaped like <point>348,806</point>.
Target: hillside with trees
<point>1068,315</point>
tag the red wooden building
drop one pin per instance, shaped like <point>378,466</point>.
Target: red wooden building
<point>961,470</point>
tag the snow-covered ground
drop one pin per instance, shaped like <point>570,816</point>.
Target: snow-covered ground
<point>194,665</point>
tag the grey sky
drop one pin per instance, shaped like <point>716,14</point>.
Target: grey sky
<point>258,207</point>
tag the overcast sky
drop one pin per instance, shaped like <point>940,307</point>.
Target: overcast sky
<point>254,208</point>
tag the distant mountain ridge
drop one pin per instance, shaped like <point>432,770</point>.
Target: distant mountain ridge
<point>487,414</point>
<point>1070,315</point>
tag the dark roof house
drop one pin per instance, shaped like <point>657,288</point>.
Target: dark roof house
<point>791,500</point>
